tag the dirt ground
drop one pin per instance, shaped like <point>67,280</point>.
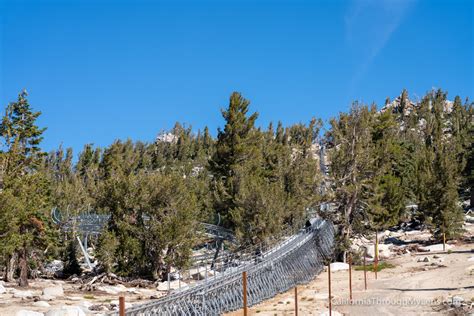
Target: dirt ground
<point>411,288</point>
<point>10,305</point>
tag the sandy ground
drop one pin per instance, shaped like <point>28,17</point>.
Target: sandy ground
<point>411,288</point>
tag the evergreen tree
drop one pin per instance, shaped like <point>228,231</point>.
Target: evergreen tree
<point>236,155</point>
<point>386,195</point>
<point>71,265</point>
<point>24,200</point>
<point>351,169</point>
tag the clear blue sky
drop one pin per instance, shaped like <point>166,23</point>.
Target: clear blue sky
<point>102,70</point>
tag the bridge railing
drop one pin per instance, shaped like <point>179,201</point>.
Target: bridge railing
<point>296,260</point>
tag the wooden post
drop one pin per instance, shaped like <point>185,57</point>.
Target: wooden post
<point>365,270</point>
<point>329,285</point>
<point>244,289</point>
<point>350,278</point>
<point>444,242</point>
<point>376,259</point>
<point>296,301</point>
<point>122,306</point>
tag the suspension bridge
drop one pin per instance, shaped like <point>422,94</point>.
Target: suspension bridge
<point>214,284</point>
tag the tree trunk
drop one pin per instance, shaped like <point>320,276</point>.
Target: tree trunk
<point>23,281</point>
<point>10,268</point>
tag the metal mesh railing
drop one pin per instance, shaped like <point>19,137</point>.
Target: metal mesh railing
<point>296,260</point>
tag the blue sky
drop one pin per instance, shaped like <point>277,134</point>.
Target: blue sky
<point>102,70</point>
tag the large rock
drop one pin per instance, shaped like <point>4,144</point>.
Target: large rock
<point>47,297</point>
<point>2,289</point>
<point>113,290</point>
<point>384,251</point>
<point>22,294</point>
<point>56,290</point>
<point>338,266</point>
<point>66,311</point>
<point>24,312</point>
<point>41,304</point>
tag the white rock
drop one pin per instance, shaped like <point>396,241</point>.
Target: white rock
<point>436,247</point>
<point>41,304</point>
<point>47,297</point>
<point>24,312</point>
<point>114,290</point>
<point>338,266</point>
<point>22,294</point>
<point>53,291</point>
<point>470,259</point>
<point>66,311</point>
<point>384,250</point>
<point>2,289</point>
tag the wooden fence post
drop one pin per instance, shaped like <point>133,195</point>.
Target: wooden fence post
<point>122,306</point>
<point>329,284</point>
<point>244,289</point>
<point>296,301</point>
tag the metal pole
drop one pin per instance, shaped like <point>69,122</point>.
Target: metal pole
<point>296,301</point>
<point>84,252</point>
<point>329,284</point>
<point>244,289</point>
<point>122,306</point>
<point>350,278</point>
<point>365,270</point>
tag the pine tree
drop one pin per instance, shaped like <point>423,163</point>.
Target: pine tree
<point>24,200</point>
<point>351,169</point>
<point>447,213</point>
<point>386,195</point>
<point>71,265</point>
<point>236,155</point>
